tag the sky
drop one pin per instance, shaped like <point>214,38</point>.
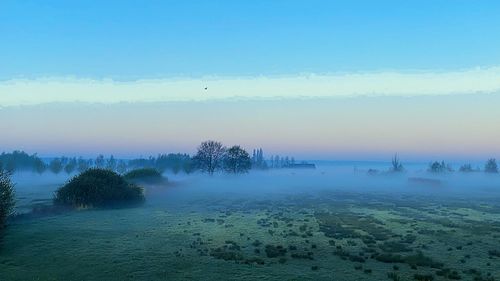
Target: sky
<point>86,70</point>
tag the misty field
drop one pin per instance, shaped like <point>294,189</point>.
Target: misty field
<point>287,225</point>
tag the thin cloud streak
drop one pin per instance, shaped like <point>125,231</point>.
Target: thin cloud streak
<point>388,83</point>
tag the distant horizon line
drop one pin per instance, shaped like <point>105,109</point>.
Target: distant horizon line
<point>267,158</point>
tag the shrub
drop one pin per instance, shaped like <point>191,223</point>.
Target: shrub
<point>144,175</point>
<point>6,197</point>
<point>98,188</point>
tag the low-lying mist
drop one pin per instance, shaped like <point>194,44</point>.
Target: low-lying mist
<point>285,181</point>
<point>282,182</point>
<point>278,183</point>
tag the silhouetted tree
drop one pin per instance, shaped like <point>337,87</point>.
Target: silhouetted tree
<point>20,160</point>
<point>491,166</point>
<point>70,166</point>
<point>121,167</point>
<point>188,166</point>
<point>276,161</point>
<point>111,163</point>
<point>40,166</point>
<point>396,164</point>
<point>440,167</point>
<point>64,160</point>
<point>56,165</point>
<point>237,160</point>
<point>99,161</point>
<point>83,165</point>
<point>172,161</point>
<point>258,161</point>
<point>209,156</point>
<point>138,163</point>
<point>466,168</point>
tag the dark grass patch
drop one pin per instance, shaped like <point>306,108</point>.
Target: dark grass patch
<point>394,247</point>
<point>409,239</point>
<point>418,259</point>
<point>255,260</point>
<point>226,254</point>
<point>275,251</point>
<point>423,277</point>
<point>494,253</point>
<point>303,255</point>
<point>256,243</point>
<point>345,255</point>
<point>231,245</point>
<point>347,225</point>
<point>448,273</point>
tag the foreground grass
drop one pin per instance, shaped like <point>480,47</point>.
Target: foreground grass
<point>224,239</point>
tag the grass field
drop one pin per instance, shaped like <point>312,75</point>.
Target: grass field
<point>323,235</point>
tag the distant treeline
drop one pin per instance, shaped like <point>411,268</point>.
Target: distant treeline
<point>21,161</point>
<point>438,167</point>
<point>441,167</point>
<point>276,161</point>
<point>232,160</point>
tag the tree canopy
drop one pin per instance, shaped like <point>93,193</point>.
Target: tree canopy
<point>209,157</point>
<point>237,160</point>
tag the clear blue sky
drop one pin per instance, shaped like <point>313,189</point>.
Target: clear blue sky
<point>443,57</point>
<point>138,39</point>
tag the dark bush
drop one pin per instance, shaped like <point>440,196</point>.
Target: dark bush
<point>6,197</point>
<point>98,188</point>
<point>144,175</point>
